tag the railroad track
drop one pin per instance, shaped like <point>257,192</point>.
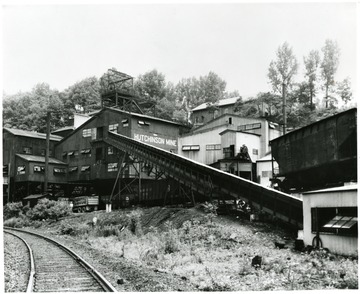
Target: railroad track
<point>56,268</point>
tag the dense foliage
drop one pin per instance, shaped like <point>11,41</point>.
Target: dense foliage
<point>317,95</point>
<point>17,215</point>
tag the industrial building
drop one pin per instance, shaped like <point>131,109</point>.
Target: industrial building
<point>206,112</point>
<point>330,219</point>
<point>82,163</point>
<point>231,143</point>
<point>24,163</point>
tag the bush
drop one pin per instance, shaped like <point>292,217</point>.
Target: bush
<point>12,209</point>
<point>171,242</point>
<point>48,209</point>
<point>14,222</point>
<point>107,231</point>
<point>73,229</point>
<point>135,225</point>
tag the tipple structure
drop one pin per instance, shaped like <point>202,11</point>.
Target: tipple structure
<point>210,182</point>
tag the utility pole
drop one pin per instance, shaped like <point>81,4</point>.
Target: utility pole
<point>284,108</point>
<point>47,151</point>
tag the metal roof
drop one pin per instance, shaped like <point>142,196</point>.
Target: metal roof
<point>17,132</point>
<point>35,196</point>
<point>36,158</point>
<point>221,102</point>
<point>64,129</point>
<point>351,187</point>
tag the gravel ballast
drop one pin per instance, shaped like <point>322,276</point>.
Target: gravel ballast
<point>16,264</point>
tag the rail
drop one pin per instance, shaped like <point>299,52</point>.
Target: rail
<point>30,284</point>
<point>201,178</point>
<point>100,278</point>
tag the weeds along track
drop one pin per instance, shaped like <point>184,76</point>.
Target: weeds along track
<point>56,268</point>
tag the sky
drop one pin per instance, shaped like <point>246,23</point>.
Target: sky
<point>63,44</point>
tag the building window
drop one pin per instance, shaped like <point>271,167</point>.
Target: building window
<point>334,220</point>
<point>86,133</point>
<point>113,128</point>
<point>255,151</point>
<point>266,174</point>
<point>39,169</point>
<point>27,150</point>
<point>230,120</point>
<point>76,152</point>
<point>190,148</point>
<point>110,150</point>
<point>86,152</point>
<point>85,168</point>
<point>73,169</point>
<point>64,154</point>
<point>111,167</point>
<point>71,153</point>
<point>21,170</point>
<point>5,169</point>
<point>125,123</point>
<point>58,170</point>
<point>212,147</point>
<point>229,151</point>
<point>43,152</point>
<point>249,127</point>
<point>143,123</point>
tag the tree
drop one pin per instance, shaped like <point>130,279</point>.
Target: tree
<point>28,110</point>
<point>312,62</point>
<point>344,90</point>
<point>83,95</point>
<point>329,67</point>
<point>212,87</point>
<point>165,109</point>
<point>232,94</point>
<point>281,73</point>
<point>150,86</point>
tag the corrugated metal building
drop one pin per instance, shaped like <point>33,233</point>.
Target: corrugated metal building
<point>206,112</point>
<point>24,162</point>
<point>221,141</point>
<point>330,219</point>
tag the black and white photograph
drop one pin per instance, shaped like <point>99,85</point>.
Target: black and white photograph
<point>192,146</point>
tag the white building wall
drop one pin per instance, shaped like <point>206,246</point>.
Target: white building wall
<point>264,171</point>
<point>335,197</point>
<point>252,142</point>
<point>79,119</point>
<point>211,137</point>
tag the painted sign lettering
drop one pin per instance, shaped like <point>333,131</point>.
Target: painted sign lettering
<point>154,140</point>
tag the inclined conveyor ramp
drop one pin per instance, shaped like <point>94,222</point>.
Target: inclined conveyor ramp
<point>208,180</point>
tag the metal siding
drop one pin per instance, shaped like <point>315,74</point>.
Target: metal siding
<point>316,144</point>
<point>336,244</point>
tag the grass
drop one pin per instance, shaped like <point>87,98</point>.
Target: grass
<point>212,255</point>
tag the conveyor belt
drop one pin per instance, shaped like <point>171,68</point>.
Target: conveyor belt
<point>204,179</point>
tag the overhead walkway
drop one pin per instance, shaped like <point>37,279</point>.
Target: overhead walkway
<point>210,181</point>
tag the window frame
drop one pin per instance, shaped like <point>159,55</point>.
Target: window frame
<point>190,148</point>
<point>59,171</point>
<point>86,133</point>
<point>327,214</point>
<point>20,171</point>
<point>112,167</point>
<point>27,148</point>
<point>39,169</point>
<point>85,168</point>
<point>113,127</point>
